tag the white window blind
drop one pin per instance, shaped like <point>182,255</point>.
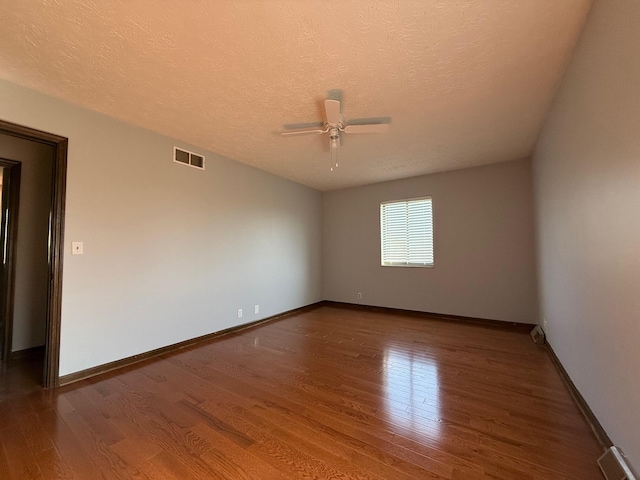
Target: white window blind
<point>406,230</point>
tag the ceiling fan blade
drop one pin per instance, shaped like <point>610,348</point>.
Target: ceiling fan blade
<point>306,125</point>
<point>332,109</point>
<point>304,131</point>
<point>369,128</point>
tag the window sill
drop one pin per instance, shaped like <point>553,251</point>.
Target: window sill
<point>406,265</point>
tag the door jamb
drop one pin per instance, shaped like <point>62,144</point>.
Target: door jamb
<point>11,204</point>
<point>56,241</point>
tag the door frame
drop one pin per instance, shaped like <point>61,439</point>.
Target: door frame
<point>51,377</point>
<point>10,205</point>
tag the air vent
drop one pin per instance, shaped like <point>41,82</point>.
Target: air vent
<point>188,158</point>
<point>615,465</point>
<point>538,335</point>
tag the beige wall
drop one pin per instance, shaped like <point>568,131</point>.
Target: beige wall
<point>483,240</point>
<point>587,186</point>
<point>32,267</point>
<point>170,252</point>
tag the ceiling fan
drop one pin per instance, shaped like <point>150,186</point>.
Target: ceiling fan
<point>334,125</point>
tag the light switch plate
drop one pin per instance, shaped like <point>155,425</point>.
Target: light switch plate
<point>77,248</point>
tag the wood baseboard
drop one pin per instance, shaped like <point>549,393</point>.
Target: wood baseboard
<point>587,413</point>
<point>482,322</point>
<point>107,367</point>
<point>27,353</point>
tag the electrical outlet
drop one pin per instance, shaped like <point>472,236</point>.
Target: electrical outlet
<point>545,325</point>
<point>239,313</point>
<point>359,296</point>
<point>256,309</point>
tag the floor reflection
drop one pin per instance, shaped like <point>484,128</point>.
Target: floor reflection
<point>412,392</point>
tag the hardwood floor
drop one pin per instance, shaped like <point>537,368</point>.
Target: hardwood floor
<point>21,376</point>
<point>331,393</point>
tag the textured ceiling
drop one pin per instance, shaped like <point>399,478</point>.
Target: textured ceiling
<point>464,82</point>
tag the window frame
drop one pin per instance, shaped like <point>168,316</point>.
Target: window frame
<point>382,242</point>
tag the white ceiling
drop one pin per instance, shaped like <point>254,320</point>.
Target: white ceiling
<point>464,82</point>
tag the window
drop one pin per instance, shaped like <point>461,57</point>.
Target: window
<point>406,233</point>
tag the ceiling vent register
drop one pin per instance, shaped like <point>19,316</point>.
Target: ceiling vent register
<point>188,158</point>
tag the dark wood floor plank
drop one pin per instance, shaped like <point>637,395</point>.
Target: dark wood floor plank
<point>35,435</point>
<point>136,448</point>
<point>94,415</point>
<point>150,415</point>
<point>254,397</point>
<point>5,471</point>
<point>233,461</point>
<point>296,456</point>
<point>243,401</point>
<point>22,463</point>
<point>384,461</point>
<point>21,376</point>
<point>71,451</point>
<point>96,446</point>
<point>251,389</point>
<point>166,466</point>
<point>53,466</point>
<point>8,418</point>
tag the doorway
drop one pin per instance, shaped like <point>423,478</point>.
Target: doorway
<point>51,278</point>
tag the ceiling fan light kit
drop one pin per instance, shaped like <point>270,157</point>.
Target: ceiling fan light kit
<point>334,126</point>
<point>333,146</point>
